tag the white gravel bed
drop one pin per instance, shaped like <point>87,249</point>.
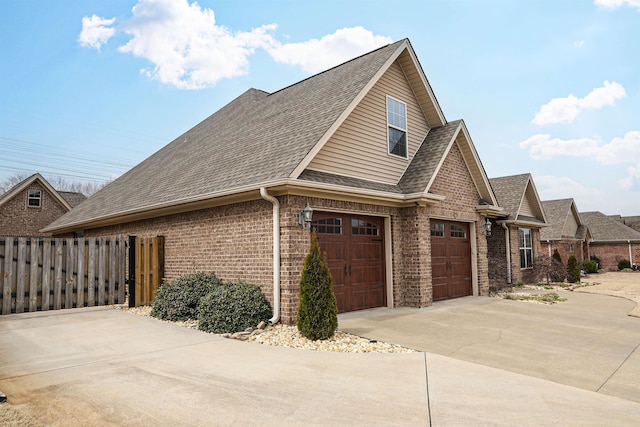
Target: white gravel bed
<point>289,336</point>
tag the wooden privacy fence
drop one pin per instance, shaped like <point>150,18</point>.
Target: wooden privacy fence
<point>52,274</point>
<point>146,269</point>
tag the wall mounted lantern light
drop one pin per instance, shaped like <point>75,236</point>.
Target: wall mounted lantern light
<point>305,217</point>
<point>486,227</point>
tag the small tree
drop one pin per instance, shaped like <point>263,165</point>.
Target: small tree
<point>573,270</point>
<point>547,269</point>
<point>317,309</point>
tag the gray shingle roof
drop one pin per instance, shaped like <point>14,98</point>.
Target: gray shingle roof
<point>426,160</point>
<point>257,138</point>
<point>606,229</point>
<point>509,191</point>
<point>73,198</point>
<point>557,212</point>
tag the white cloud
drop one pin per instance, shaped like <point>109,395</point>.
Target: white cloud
<point>579,43</point>
<point>543,147</point>
<point>96,31</point>
<point>614,4</point>
<point>188,50</point>
<point>317,55</point>
<point>561,187</point>
<point>186,46</point>
<point>565,110</point>
<point>621,150</point>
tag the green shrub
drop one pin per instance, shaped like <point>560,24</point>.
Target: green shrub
<point>590,266</point>
<point>573,270</point>
<point>233,307</point>
<point>178,299</point>
<point>317,309</point>
<point>624,263</point>
<point>520,284</point>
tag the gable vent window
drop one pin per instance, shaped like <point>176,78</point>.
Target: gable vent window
<point>35,199</point>
<point>397,127</point>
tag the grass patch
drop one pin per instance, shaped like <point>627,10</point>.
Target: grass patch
<point>550,298</point>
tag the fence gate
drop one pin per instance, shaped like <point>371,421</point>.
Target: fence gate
<point>146,269</point>
<point>52,274</point>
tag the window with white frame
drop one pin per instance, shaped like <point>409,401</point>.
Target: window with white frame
<point>397,127</point>
<point>526,248</point>
<point>35,199</point>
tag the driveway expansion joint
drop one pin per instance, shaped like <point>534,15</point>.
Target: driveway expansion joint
<point>618,368</point>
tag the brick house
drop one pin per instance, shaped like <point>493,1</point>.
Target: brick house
<point>611,240</point>
<point>33,204</point>
<point>514,243</point>
<point>565,232</point>
<point>398,193</point>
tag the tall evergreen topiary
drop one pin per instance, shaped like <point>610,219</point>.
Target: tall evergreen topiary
<point>573,270</point>
<point>317,309</point>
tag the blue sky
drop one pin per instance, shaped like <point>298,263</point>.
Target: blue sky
<point>90,88</point>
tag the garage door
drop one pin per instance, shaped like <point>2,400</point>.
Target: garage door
<point>450,259</point>
<point>354,246</point>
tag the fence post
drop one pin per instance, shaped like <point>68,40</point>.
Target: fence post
<point>131,282</point>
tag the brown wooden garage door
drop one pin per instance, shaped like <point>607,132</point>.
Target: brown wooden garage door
<point>450,259</point>
<point>354,246</point>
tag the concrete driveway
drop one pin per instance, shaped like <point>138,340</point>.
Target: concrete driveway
<point>623,284</point>
<point>588,342</point>
<point>106,367</point>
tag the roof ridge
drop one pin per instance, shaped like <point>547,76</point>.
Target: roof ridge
<point>335,66</point>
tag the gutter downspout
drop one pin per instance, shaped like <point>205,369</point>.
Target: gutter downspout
<point>508,243</point>
<point>549,246</point>
<point>276,254</point>
<point>630,254</point>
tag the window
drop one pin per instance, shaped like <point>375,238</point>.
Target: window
<point>437,230</point>
<point>397,127</point>
<point>328,226</point>
<point>359,226</point>
<point>35,199</point>
<point>526,248</point>
<point>457,231</point>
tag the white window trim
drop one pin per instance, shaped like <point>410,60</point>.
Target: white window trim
<point>406,131</point>
<point>520,248</point>
<point>29,198</point>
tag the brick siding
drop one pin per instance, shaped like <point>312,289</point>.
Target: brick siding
<point>18,219</point>
<point>610,254</point>
<point>235,241</point>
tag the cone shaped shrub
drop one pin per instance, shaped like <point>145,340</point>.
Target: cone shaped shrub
<point>573,270</point>
<point>317,309</point>
<point>558,272</point>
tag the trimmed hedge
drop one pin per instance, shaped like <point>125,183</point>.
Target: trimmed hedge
<point>624,263</point>
<point>590,266</point>
<point>178,299</point>
<point>233,307</point>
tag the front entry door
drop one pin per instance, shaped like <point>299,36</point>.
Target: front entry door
<point>450,259</point>
<point>354,247</point>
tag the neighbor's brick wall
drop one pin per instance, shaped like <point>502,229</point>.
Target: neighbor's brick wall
<point>564,249</point>
<point>610,254</point>
<point>454,181</point>
<point>18,219</point>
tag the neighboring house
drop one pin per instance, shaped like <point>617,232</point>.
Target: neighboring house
<point>33,204</point>
<point>514,243</point>
<point>395,190</point>
<point>630,221</point>
<point>611,240</point>
<point>565,232</point>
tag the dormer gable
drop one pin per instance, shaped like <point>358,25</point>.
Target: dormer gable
<point>517,194</point>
